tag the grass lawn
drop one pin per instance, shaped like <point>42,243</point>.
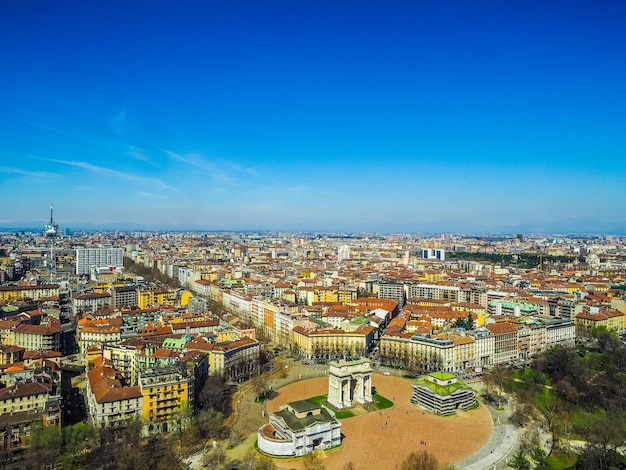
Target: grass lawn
<point>320,400</point>
<point>379,403</point>
<point>343,414</point>
<point>562,461</point>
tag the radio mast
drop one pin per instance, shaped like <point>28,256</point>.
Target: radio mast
<point>51,234</point>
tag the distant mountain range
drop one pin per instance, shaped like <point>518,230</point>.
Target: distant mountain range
<point>573,226</point>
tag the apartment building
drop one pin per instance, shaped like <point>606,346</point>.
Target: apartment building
<point>123,356</point>
<point>433,291</point>
<point>23,404</point>
<point>329,342</point>
<point>560,332</point>
<point>136,319</point>
<point>434,254</point>
<point>28,292</point>
<point>46,335</point>
<point>511,308</point>
<point>566,308</point>
<point>110,402</point>
<point>155,297</point>
<point>504,341</point>
<point>531,340</point>
<point>24,397</point>
<point>326,294</point>
<point>237,303</point>
<point>124,297</point>
<point>484,347</point>
<point>202,287</point>
<point>594,316</point>
<point>235,360</point>
<point>98,332</point>
<point>88,259</point>
<point>166,391</point>
<point>92,302</point>
<point>473,294</point>
<point>392,290</point>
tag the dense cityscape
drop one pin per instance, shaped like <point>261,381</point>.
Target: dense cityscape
<point>163,334</point>
<point>312,235</point>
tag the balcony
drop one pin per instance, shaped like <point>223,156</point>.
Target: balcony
<point>164,406</point>
<point>166,398</point>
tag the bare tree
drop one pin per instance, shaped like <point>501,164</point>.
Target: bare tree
<point>313,461</point>
<point>419,460</point>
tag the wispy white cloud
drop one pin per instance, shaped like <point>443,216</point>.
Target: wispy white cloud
<point>138,153</point>
<point>117,123</point>
<point>297,189</point>
<point>114,173</point>
<point>82,137</point>
<point>197,160</point>
<point>242,169</point>
<point>35,174</point>
<point>151,195</point>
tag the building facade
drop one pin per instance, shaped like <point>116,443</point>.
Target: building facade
<point>88,259</point>
<point>443,393</point>
<point>298,429</point>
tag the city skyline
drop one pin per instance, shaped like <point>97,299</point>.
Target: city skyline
<point>485,118</point>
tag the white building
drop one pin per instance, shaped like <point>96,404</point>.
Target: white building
<point>484,346</point>
<point>88,259</point>
<point>560,332</point>
<point>298,429</point>
<point>343,252</point>
<point>91,302</point>
<point>349,382</point>
<point>436,254</point>
<point>110,403</point>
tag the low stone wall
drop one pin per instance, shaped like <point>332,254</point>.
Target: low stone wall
<point>273,446</point>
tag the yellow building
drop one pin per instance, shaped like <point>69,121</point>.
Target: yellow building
<point>149,298</point>
<point>184,298</point>
<point>167,393</point>
<point>329,342</point>
<point>326,294</point>
<point>7,332</point>
<point>21,405</point>
<point>24,397</point>
<point>329,294</point>
<point>28,292</point>
<point>598,316</point>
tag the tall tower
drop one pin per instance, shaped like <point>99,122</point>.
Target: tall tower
<point>343,252</point>
<point>51,235</point>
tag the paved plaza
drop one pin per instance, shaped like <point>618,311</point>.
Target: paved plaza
<point>387,437</point>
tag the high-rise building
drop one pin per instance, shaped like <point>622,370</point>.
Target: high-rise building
<point>392,290</point>
<point>436,254</point>
<point>343,253</point>
<point>88,259</point>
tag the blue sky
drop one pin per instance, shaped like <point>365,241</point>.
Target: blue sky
<point>349,116</point>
